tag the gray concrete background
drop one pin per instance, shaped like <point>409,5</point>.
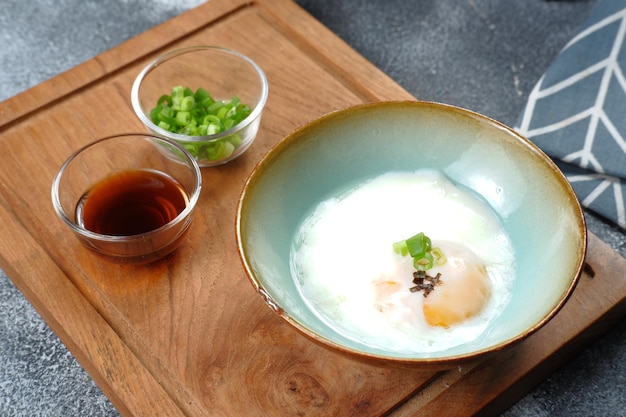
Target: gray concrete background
<point>484,55</point>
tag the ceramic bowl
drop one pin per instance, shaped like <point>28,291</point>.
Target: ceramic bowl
<point>225,74</point>
<point>532,199</point>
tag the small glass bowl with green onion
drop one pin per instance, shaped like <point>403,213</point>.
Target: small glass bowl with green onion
<point>208,99</point>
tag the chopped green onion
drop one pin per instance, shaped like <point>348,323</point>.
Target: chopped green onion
<point>235,139</point>
<point>400,248</point>
<point>424,262</point>
<point>202,95</point>
<point>187,103</point>
<point>419,247</point>
<point>214,107</point>
<point>164,98</point>
<point>183,118</point>
<point>199,114</point>
<point>440,258</point>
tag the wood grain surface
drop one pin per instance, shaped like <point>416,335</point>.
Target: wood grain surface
<point>188,335</point>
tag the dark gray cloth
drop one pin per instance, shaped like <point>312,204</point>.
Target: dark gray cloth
<point>577,111</point>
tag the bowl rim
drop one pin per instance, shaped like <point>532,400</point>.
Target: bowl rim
<point>81,231</point>
<point>438,362</point>
<point>256,112</point>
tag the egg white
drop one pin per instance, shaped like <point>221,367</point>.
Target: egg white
<point>343,252</point>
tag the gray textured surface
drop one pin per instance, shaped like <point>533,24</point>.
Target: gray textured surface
<point>484,55</point>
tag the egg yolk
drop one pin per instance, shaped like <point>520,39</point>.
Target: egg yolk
<point>463,291</point>
<point>385,290</point>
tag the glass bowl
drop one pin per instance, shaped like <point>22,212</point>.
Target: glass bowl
<point>126,199</point>
<point>226,75</point>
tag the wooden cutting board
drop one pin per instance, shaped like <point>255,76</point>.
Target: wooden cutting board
<point>188,335</point>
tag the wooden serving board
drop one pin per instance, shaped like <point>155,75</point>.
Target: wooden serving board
<point>188,335</point>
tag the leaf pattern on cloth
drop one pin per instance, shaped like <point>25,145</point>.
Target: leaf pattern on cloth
<point>576,113</point>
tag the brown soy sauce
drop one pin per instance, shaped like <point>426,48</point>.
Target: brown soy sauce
<point>131,202</point>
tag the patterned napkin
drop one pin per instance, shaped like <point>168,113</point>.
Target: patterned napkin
<point>577,111</point>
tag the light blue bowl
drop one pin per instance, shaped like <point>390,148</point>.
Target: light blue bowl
<point>534,201</point>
